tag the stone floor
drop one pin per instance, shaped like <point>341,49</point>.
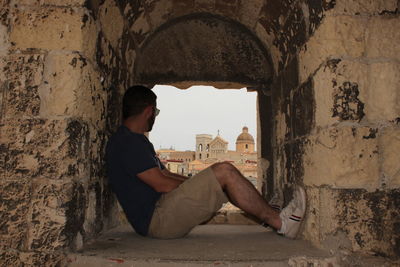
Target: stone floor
<point>206,245</point>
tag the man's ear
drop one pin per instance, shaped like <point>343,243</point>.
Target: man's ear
<point>148,111</point>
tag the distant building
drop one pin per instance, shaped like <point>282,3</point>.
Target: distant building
<point>210,150</point>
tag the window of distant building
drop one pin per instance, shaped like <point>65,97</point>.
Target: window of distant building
<point>199,156</point>
<point>208,155</point>
<point>200,147</point>
<point>247,146</point>
<point>208,148</point>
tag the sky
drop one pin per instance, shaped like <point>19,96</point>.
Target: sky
<point>201,110</point>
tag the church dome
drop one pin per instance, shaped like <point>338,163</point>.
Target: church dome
<point>245,137</point>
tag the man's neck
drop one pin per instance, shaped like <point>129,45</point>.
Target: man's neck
<point>135,126</point>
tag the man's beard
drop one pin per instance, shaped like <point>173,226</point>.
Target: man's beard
<point>150,123</point>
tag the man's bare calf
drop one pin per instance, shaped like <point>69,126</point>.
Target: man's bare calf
<point>244,195</point>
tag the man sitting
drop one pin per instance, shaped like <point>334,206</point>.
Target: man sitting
<point>162,204</point>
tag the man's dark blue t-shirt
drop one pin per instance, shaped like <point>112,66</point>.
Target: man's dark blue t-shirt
<point>128,154</point>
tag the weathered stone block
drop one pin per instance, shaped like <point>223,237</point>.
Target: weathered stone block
<point>57,214</point>
<point>344,157</point>
<point>389,147</point>
<point>383,37</point>
<point>227,8</point>
<point>62,3</point>
<point>205,5</point>
<point>112,22</point>
<point>336,37</point>
<point>321,224</point>
<point>282,127</point>
<point>383,96</point>
<point>363,7</point>
<point>340,89</point>
<point>159,12</point>
<point>141,25</point>
<point>4,39</point>
<point>14,206</point>
<point>377,234</point>
<point>249,12</point>
<point>44,148</point>
<point>10,258</point>
<point>311,226</point>
<point>302,109</point>
<point>54,29</point>
<point>21,76</point>
<point>43,259</point>
<point>47,219</point>
<point>71,87</point>
<point>182,7</point>
<point>267,38</point>
<point>336,220</point>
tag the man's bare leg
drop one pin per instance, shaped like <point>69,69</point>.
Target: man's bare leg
<point>244,195</point>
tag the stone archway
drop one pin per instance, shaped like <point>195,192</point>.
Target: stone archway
<point>203,47</point>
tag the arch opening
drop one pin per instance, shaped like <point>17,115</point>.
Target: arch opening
<point>203,48</point>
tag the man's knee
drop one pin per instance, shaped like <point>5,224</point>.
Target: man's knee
<point>223,171</point>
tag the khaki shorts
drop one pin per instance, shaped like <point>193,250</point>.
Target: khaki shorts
<point>195,201</point>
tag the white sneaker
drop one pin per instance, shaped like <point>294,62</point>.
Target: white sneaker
<point>292,214</point>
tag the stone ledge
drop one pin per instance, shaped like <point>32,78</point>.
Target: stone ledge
<point>204,246</point>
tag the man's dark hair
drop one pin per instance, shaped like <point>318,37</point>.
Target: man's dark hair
<point>136,99</point>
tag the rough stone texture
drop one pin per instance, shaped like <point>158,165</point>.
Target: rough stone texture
<point>383,37</point>
<point>383,92</point>
<point>352,153</point>
<point>62,3</point>
<point>20,78</point>
<point>65,28</point>
<point>352,90</point>
<point>205,57</point>
<point>337,220</point>
<point>159,12</point>
<point>47,218</point>
<point>83,96</point>
<point>370,234</point>
<point>42,148</point>
<point>364,7</point>
<point>249,12</point>
<point>337,37</point>
<point>340,88</point>
<point>4,42</point>
<point>15,258</point>
<point>14,207</point>
<point>267,39</point>
<point>389,145</point>
<point>112,30</point>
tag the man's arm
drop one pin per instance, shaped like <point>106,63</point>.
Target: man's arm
<point>174,175</point>
<point>160,182</point>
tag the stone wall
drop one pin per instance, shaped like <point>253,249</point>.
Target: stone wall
<point>54,124</point>
<point>337,127</point>
<point>328,109</point>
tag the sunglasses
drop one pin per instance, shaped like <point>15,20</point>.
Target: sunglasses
<point>156,111</point>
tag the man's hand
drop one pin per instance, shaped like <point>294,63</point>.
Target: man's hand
<point>174,175</point>
<point>157,180</point>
